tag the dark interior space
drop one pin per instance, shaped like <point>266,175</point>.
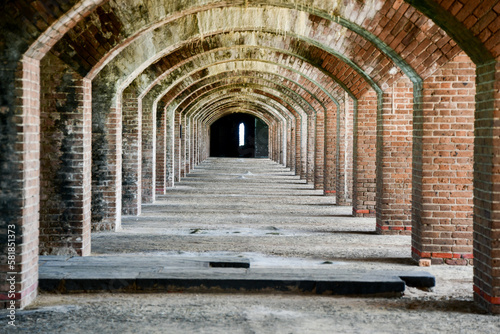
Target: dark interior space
<point>239,135</point>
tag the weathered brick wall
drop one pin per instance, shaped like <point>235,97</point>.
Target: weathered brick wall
<point>442,221</point>
<point>65,159</point>
<point>364,156</point>
<point>394,159</point>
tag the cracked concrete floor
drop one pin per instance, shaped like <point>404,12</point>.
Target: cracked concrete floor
<point>258,209</point>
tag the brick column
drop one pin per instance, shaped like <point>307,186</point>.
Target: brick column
<point>178,133</point>
<point>394,147</point>
<point>106,157</point>
<point>20,172</point>
<point>148,149</point>
<point>298,147</point>
<point>364,159</point>
<point>295,138</point>
<point>311,148</point>
<point>194,141</point>
<point>170,148</point>
<point>442,201</point>
<point>487,189</point>
<point>65,160</point>
<point>290,145</point>
<point>279,142</point>
<point>271,141</point>
<point>183,140</point>
<point>161,150</point>
<point>132,152</point>
<point>186,152</point>
<point>330,150</point>
<point>319,172</point>
<point>344,152</point>
<point>303,145</point>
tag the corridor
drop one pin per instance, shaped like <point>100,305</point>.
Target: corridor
<point>258,210</point>
<point>375,124</point>
<point>251,205</point>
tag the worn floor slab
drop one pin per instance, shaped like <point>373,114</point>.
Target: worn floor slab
<point>157,273</point>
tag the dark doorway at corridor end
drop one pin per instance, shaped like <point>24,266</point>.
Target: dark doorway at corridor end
<point>239,135</point>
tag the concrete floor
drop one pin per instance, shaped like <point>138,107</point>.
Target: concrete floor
<point>257,209</point>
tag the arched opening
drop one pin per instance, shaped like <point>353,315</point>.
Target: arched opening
<point>239,135</point>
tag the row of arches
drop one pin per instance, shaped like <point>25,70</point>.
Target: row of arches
<point>389,105</point>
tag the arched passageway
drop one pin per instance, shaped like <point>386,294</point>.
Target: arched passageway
<point>390,106</point>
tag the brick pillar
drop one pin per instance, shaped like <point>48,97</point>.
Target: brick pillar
<point>394,147</point>
<point>132,152</point>
<point>194,141</point>
<point>183,140</point>
<point>298,147</point>
<point>295,137</point>
<point>19,186</point>
<point>186,145</point>
<point>330,150</point>
<point>303,146</point>
<point>279,142</point>
<point>319,177</point>
<point>344,152</point>
<point>65,159</point>
<point>311,148</point>
<point>106,157</point>
<point>364,159</point>
<point>442,204</point>
<point>271,142</point>
<point>205,144</point>
<point>170,148</point>
<point>487,189</point>
<point>289,145</point>
<point>178,133</point>
<point>161,150</point>
<point>148,149</point>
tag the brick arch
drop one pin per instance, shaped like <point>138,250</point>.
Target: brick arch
<point>105,99</point>
<point>281,103</point>
<point>307,123</point>
<point>285,87</point>
<point>169,149</point>
<point>175,87</point>
<point>175,72</point>
<point>222,79</point>
<point>489,87</point>
<point>153,90</point>
<point>214,44</point>
<point>318,15</point>
<point>204,120</point>
<point>248,75</point>
<point>269,96</point>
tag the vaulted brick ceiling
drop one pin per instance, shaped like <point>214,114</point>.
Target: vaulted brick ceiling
<point>318,50</point>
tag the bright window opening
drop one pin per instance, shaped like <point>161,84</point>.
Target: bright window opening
<point>242,134</point>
